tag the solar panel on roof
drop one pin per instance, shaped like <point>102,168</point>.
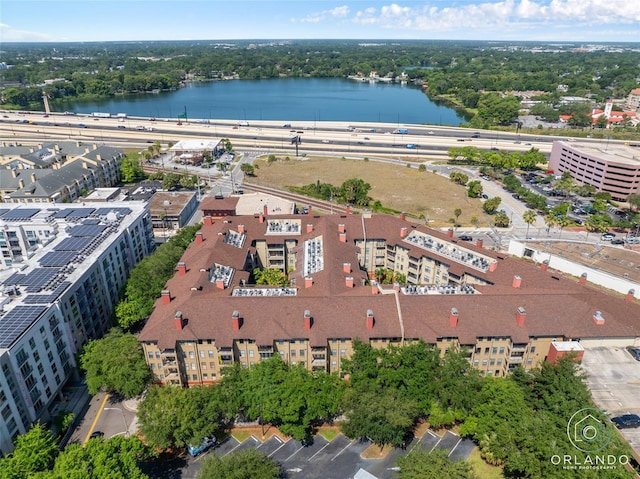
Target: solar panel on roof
<point>20,214</point>
<point>38,277</point>
<point>16,322</point>
<point>91,221</point>
<point>47,298</point>
<point>87,230</point>
<point>77,213</point>
<point>104,211</point>
<point>15,278</point>
<point>3,212</point>
<point>73,244</point>
<point>62,213</point>
<point>57,258</point>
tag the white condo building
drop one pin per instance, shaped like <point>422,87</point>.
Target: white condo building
<point>62,269</point>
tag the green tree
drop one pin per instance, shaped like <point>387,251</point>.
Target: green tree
<point>355,191</point>
<point>550,220</point>
<point>432,464</point>
<point>131,170</point>
<point>270,276</point>
<point>115,363</point>
<point>247,464</point>
<point>35,451</point>
<point>491,205</point>
<point>247,169</point>
<point>634,200</point>
<point>474,189</point>
<point>529,217</point>
<point>170,181</point>
<point>98,459</point>
<point>458,178</point>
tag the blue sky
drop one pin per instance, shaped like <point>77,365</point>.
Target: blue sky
<point>114,20</point>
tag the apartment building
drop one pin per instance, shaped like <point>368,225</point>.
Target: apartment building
<point>61,281</point>
<point>57,172</point>
<point>504,311</point>
<point>609,166</point>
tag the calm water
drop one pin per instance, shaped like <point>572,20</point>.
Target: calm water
<point>303,99</point>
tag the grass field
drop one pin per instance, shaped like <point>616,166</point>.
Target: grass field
<point>400,188</point>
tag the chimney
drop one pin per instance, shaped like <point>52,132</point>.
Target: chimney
<point>341,228</point>
<point>219,283</point>
<point>370,319</point>
<point>404,231</point>
<point>348,281</point>
<point>14,173</point>
<point>166,296</point>
<point>583,278</point>
<point>493,266</point>
<point>235,321</point>
<point>179,321</point>
<point>343,237</point>
<point>33,177</point>
<point>87,150</point>
<point>308,320</point>
<point>453,317</point>
<point>630,295</point>
<point>207,220</point>
<point>98,157</point>
<point>182,268</point>
<point>309,210</point>
<point>450,233</point>
<point>517,281</point>
<point>374,288</point>
<point>545,265</point>
<point>241,229</point>
<point>346,268</point>
<point>265,210</point>
<point>309,228</point>
<point>199,237</point>
<point>403,216</point>
<point>308,282</point>
<point>479,243</point>
<point>598,319</point>
<point>20,183</point>
<point>521,314</point>
<point>261,218</point>
<point>347,210</point>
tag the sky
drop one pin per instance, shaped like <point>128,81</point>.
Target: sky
<point>138,20</point>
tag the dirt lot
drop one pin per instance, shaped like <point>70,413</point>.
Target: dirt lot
<point>396,187</point>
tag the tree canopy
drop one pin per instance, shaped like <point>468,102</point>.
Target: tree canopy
<point>115,363</point>
<point>247,464</point>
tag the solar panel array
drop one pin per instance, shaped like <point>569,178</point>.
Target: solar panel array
<point>87,230</point>
<point>104,211</point>
<point>77,213</point>
<point>57,258</point>
<point>15,278</point>
<point>47,298</point>
<point>91,221</point>
<point>16,321</point>
<point>38,277</point>
<point>20,214</point>
<point>73,244</point>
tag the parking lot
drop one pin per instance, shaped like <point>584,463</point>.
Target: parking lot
<point>613,376</point>
<point>339,458</point>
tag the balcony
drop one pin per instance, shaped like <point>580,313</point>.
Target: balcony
<point>515,360</point>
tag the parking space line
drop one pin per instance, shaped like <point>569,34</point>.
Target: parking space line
<point>322,449</point>
<point>281,446</point>
<point>343,449</point>
<point>296,452</point>
<point>436,444</point>
<point>240,444</point>
<point>454,447</point>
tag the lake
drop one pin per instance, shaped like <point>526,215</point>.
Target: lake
<point>289,99</point>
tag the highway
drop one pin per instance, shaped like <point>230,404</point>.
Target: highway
<point>329,138</point>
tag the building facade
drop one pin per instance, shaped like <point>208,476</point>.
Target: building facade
<point>610,167</point>
<point>504,311</point>
<point>59,293</point>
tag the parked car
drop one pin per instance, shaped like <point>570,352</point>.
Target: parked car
<point>607,236</point>
<point>617,241</point>
<point>635,352</point>
<point>626,421</point>
<point>465,238</point>
<point>96,434</point>
<point>206,444</point>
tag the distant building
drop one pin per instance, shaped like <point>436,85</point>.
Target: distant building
<point>633,100</point>
<point>64,268</point>
<point>171,210</point>
<point>503,311</point>
<point>56,173</point>
<point>609,166</point>
<point>614,117</point>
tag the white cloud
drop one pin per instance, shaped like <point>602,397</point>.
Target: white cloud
<point>508,14</point>
<point>11,34</point>
<point>335,13</point>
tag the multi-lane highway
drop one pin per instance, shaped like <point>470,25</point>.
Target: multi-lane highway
<point>358,139</point>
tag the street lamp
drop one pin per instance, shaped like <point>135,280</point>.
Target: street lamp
<point>124,418</point>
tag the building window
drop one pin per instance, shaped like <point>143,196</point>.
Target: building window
<point>193,366</point>
<point>194,377</point>
<point>242,353</point>
<point>333,364</point>
<point>157,354</point>
<point>533,349</point>
<point>476,362</point>
<point>494,351</point>
<point>343,353</point>
<point>211,353</point>
<point>191,355</point>
<point>334,352</point>
<point>484,362</point>
<point>251,353</point>
<point>302,353</point>
<point>150,355</point>
<point>202,353</point>
<point>502,350</point>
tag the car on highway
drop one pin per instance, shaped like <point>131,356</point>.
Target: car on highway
<point>626,421</point>
<point>326,141</point>
<point>429,132</point>
<point>82,125</point>
<point>635,352</point>
<point>411,146</point>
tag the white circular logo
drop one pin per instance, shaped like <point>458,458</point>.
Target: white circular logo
<point>588,431</point>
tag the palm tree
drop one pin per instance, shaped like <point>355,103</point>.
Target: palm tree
<point>562,221</point>
<point>457,212</point>
<point>550,220</point>
<point>529,217</point>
